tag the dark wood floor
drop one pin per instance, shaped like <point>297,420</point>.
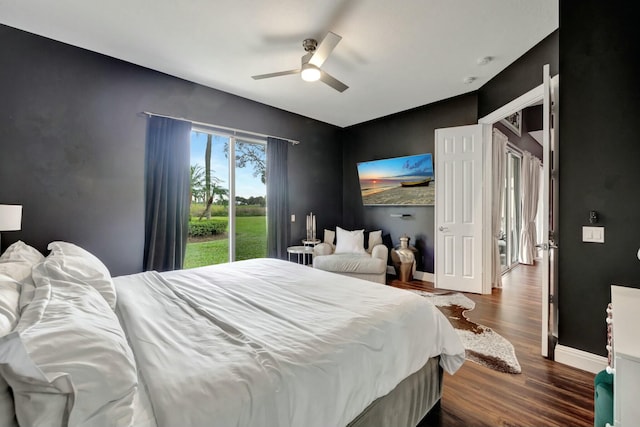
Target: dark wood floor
<point>545,394</point>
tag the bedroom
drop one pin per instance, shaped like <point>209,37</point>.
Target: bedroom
<point>95,101</point>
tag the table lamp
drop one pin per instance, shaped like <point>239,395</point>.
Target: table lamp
<point>10,218</point>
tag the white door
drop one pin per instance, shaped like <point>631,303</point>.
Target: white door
<point>550,218</point>
<point>459,208</point>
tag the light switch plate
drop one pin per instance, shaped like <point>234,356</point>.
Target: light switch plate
<point>293,217</point>
<point>593,234</point>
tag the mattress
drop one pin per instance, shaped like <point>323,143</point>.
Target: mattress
<point>266,342</point>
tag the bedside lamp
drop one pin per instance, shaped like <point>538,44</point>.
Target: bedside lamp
<point>10,218</point>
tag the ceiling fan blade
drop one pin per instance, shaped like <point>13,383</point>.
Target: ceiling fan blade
<point>278,74</point>
<point>324,49</point>
<point>333,82</point>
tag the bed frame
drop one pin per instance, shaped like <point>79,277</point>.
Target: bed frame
<point>408,403</point>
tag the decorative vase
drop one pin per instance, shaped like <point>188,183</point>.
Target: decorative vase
<point>403,257</point>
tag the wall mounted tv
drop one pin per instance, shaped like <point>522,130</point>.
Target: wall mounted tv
<point>398,181</point>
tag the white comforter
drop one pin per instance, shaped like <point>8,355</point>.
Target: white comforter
<point>272,343</point>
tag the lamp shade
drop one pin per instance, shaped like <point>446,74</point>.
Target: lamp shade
<point>10,217</point>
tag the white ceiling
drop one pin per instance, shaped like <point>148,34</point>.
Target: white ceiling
<point>394,55</point>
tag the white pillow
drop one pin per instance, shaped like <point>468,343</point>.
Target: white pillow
<point>68,361</point>
<point>9,313</point>
<point>9,303</point>
<point>20,258</point>
<point>15,276</point>
<point>84,268</point>
<point>375,238</point>
<point>349,242</point>
<point>20,251</point>
<point>19,274</point>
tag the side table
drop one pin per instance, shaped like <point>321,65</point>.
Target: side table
<point>311,242</point>
<point>305,251</point>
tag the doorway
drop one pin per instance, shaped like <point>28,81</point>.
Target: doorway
<point>228,198</point>
<point>467,216</point>
<point>548,94</point>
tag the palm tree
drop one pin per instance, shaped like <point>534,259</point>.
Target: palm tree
<point>197,188</point>
<point>215,191</point>
<point>220,192</point>
<point>207,175</point>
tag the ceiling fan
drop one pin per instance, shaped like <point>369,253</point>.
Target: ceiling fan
<point>312,61</point>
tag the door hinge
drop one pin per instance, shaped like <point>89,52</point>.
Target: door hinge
<point>552,299</point>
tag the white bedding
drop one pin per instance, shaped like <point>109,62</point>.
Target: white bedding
<point>270,343</point>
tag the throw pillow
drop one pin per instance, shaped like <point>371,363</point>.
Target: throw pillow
<point>17,262</point>
<point>15,275</point>
<point>9,306</point>
<point>68,361</point>
<point>349,242</point>
<point>329,236</point>
<point>21,252</point>
<point>82,267</point>
<point>9,294</point>
<point>375,238</point>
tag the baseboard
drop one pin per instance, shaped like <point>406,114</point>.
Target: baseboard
<point>580,359</point>
<point>418,275</point>
<point>424,276</point>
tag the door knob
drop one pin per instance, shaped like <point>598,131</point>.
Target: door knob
<point>441,228</point>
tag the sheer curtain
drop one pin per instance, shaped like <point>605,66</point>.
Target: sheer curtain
<point>499,149</point>
<point>530,188</point>
<point>277,198</point>
<point>166,193</point>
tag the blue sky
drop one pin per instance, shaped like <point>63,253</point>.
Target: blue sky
<point>418,165</point>
<point>246,184</point>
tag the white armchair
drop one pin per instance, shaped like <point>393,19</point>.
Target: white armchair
<point>368,266</point>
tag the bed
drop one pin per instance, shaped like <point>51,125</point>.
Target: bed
<point>260,342</point>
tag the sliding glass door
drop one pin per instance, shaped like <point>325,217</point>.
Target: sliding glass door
<point>228,199</point>
<point>250,194</point>
<point>511,212</point>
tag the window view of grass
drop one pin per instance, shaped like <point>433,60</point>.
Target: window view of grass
<point>251,239</point>
<point>208,241</point>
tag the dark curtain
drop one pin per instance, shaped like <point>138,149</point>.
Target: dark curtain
<point>277,198</point>
<point>168,181</point>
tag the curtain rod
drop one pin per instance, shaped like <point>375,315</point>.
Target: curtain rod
<point>234,131</point>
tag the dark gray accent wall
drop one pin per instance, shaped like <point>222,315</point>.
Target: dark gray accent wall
<point>401,134</point>
<point>521,76</point>
<point>72,145</point>
<point>532,118</point>
<point>599,164</point>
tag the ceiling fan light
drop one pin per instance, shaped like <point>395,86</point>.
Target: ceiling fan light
<point>310,73</point>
